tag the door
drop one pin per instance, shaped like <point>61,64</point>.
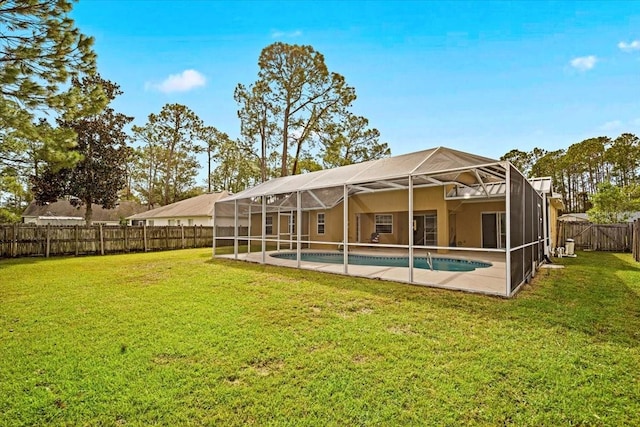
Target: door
<point>494,230</point>
<point>418,230</point>
<point>425,230</point>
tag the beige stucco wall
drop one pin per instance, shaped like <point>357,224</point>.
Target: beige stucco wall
<point>466,228</point>
<point>554,211</point>
<point>468,218</point>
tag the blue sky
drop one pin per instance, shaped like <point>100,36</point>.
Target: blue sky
<point>482,77</point>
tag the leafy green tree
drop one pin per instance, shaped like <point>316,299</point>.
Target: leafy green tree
<point>237,167</point>
<point>296,93</point>
<point>101,143</point>
<point>520,159</point>
<point>613,204</point>
<point>351,141</point>
<point>41,50</point>
<point>168,165</point>
<point>624,157</point>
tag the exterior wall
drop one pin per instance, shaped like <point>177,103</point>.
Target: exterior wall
<point>553,223</point>
<point>467,227</point>
<point>396,203</point>
<point>468,218</point>
<point>332,225</point>
<point>256,224</point>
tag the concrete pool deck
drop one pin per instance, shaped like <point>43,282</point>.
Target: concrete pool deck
<point>490,280</point>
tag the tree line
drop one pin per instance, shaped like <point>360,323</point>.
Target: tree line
<point>600,176</point>
<point>60,136</point>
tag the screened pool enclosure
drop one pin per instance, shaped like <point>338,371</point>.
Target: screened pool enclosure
<point>432,208</point>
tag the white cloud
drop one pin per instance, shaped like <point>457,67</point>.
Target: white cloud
<point>584,63</point>
<point>183,82</point>
<point>629,47</point>
<point>276,34</point>
<point>612,125</point>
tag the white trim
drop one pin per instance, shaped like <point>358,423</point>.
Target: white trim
<point>324,224</point>
<point>375,222</point>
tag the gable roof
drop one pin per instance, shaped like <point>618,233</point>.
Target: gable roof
<point>199,206</point>
<point>64,208</point>
<point>382,173</point>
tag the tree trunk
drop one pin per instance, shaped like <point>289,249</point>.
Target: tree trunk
<point>88,216</point>
<point>285,141</point>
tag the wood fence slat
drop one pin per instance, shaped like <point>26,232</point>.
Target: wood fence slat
<point>598,237</point>
<point>22,240</point>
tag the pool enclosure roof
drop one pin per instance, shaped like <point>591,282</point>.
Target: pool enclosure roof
<point>433,167</point>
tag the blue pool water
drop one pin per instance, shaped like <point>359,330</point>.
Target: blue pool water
<point>439,263</point>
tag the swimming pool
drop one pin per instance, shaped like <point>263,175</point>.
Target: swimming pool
<point>439,263</point>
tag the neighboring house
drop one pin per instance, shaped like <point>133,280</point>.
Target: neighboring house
<point>574,217</point>
<point>63,212</point>
<point>436,201</point>
<point>194,211</point>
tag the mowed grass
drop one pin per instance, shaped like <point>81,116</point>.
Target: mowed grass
<point>175,338</point>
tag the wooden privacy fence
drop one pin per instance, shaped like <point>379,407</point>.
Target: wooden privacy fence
<point>636,240</point>
<point>31,240</point>
<point>596,237</point>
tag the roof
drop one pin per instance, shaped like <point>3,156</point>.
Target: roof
<point>64,208</point>
<point>434,166</point>
<point>498,189</point>
<point>577,216</point>
<point>199,206</point>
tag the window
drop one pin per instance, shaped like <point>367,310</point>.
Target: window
<point>190,221</point>
<point>151,222</point>
<point>384,224</point>
<point>292,224</point>
<point>171,222</point>
<point>431,229</point>
<point>269,225</point>
<point>321,223</point>
<point>178,222</point>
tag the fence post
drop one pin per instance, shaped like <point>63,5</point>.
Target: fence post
<point>182,232</point>
<point>101,239</point>
<point>144,236</point>
<point>126,239</point>
<point>47,244</point>
<point>14,243</point>
<point>76,231</point>
<point>166,237</point>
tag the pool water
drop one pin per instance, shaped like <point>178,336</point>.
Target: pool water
<point>439,263</point>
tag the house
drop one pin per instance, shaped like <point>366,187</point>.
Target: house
<point>439,210</point>
<point>574,217</point>
<point>63,212</point>
<point>194,211</point>
<point>584,217</point>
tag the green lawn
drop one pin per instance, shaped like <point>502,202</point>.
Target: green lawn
<point>174,338</point>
